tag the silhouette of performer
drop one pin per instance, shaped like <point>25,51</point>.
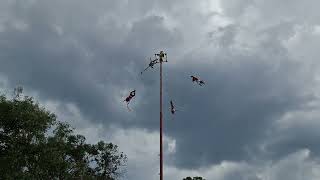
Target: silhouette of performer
<point>128,99</point>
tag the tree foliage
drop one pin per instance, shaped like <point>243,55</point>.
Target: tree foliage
<point>34,145</point>
<point>194,178</point>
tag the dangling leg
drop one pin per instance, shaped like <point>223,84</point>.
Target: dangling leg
<point>128,107</point>
<point>201,83</point>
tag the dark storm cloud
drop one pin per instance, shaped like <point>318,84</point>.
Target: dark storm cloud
<point>298,131</point>
<point>79,65</point>
<point>226,119</point>
<point>86,53</point>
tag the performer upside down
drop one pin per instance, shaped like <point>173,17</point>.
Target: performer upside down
<point>128,99</point>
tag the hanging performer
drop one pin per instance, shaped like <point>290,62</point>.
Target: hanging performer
<point>173,109</point>
<point>128,99</point>
<point>151,64</point>
<point>197,80</point>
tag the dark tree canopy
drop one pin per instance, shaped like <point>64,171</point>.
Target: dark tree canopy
<point>34,145</point>
<point>194,178</point>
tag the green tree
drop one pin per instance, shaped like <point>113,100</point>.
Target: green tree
<point>194,178</point>
<point>28,152</point>
<point>108,160</point>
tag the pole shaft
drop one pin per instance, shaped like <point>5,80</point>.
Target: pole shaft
<point>161,123</point>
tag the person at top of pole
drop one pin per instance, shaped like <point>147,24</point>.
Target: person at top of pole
<point>162,56</point>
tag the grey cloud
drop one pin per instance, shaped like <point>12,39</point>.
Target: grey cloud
<point>234,7</point>
<point>232,111</point>
<point>86,53</point>
<point>268,11</point>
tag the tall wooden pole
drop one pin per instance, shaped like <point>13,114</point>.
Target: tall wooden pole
<point>161,122</point>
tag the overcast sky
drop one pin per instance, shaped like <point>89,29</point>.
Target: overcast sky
<point>257,117</point>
